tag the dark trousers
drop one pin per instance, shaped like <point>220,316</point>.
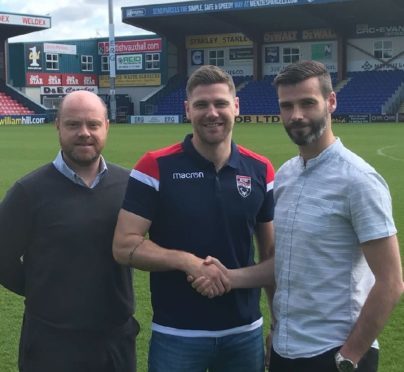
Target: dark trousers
<point>45,349</point>
<point>321,363</point>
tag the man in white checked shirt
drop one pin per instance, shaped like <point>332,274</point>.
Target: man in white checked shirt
<point>337,259</point>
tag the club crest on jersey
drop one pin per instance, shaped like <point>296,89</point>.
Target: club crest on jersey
<point>243,185</point>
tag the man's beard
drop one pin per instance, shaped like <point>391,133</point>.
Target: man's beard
<point>73,155</point>
<point>302,137</point>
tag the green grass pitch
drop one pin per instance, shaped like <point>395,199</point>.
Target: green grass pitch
<point>23,148</point>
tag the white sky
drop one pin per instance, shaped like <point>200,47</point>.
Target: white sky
<point>76,19</point>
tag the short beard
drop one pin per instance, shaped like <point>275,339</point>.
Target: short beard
<point>317,128</point>
<point>72,159</point>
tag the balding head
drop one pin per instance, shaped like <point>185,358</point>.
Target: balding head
<point>83,97</point>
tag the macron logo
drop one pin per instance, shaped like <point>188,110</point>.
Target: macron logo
<point>190,175</point>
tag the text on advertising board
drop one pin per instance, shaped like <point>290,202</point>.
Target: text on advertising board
<point>131,46</point>
<point>43,79</point>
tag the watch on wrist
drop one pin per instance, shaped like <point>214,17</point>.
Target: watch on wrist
<point>344,364</point>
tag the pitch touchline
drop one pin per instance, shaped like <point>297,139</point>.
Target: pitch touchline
<point>381,153</point>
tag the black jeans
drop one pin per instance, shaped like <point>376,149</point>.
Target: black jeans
<point>321,363</point>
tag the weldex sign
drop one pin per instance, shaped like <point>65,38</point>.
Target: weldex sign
<point>24,20</point>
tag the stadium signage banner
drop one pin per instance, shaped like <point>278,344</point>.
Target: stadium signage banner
<point>238,71</point>
<point>25,20</point>
<point>321,52</point>
<point>259,119</point>
<point>131,46</point>
<point>77,79</point>
<point>304,35</point>
<point>22,119</point>
<point>376,65</point>
<point>383,118</point>
<point>131,80</point>
<point>62,90</point>
<point>364,118</point>
<point>197,57</point>
<point>33,53</point>
<point>60,48</point>
<point>129,62</point>
<point>272,54</point>
<point>366,30</point>
<point>350,118</point>
<point>206,7</point>
<point>46,79</point>
<point>280,36</point>
<point>154,119</point>
<point>236,54</point>
<point>217,40</point>
<point>319,34</point>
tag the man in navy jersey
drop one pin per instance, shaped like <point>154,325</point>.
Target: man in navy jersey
<point>205,196</point>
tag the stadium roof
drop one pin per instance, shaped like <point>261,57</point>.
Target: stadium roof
<point>255,17</point>
<point>13,24</point>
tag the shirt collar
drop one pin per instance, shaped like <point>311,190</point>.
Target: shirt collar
<point>328,151</point>
<point>190,149</point>
<point>63,168</point>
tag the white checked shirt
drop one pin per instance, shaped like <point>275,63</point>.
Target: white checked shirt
<point>323,211</point>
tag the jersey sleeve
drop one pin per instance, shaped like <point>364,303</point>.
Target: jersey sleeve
<point>15,232</point>
<point>143,187</point>
<point>266,213</point>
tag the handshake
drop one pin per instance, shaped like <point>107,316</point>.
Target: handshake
<point>210,277</point>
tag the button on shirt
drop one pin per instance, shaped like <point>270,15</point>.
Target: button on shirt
<point>323,211</point>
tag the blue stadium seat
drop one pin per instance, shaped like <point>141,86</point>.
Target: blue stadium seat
<point>367,91</point>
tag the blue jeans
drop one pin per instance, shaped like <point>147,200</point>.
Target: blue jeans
<point>235,353</point>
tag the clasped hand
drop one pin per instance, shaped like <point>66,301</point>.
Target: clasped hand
<point>211,279</point>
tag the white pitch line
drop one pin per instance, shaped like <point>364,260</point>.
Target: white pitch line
<point>381,153</point>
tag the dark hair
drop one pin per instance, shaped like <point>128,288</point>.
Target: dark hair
<point>207,75</point>
<point>300,71</point>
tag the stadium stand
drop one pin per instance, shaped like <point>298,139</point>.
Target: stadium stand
<point>9,106</point>
<point>172,103</point>
<point>170,100</point>
<point>362,92</point>
<point>167,100</point>
<point>258,97</point>
<point>13,102</point>
<point>368,92</point>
